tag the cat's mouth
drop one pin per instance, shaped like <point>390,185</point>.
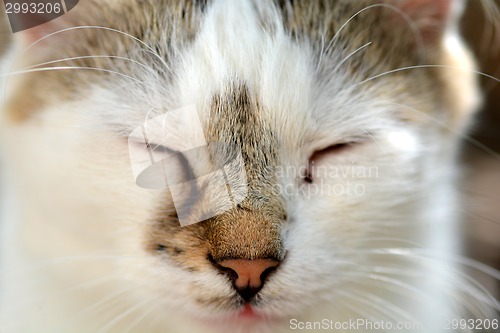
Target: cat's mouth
<point>247,315</point>
<point>250,313</point>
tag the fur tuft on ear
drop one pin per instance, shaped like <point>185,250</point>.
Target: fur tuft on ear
<point>432,18</point>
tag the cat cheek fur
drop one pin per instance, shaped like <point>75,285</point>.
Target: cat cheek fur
<point>108,254</point>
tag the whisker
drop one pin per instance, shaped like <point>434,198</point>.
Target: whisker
<point>423,253</point>
<point>479,291</point>
<point>46,69</point>
<point>427,298</point>
<point>113,297</point>
<point>424,66</point>
<point>473,287</point>
<point>142,317</point>
<point>351,54</point>
<point>321,52</point>
<point>478,310</point>
<point>149,48</point>
<point>360,300</point>
<point>378,303</point>
<point>393,239</point>
<point>409,21</point>
<point>89,57</point>
<point>406,289</point>
<point>122,316</point>
<point>482,217</point>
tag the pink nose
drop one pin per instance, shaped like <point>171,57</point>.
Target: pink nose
<point>248,275</point>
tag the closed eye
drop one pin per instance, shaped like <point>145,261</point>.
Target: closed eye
<point>316,158</point>
<point>333,149</point>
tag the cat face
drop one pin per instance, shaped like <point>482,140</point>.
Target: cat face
<point>341,144</point>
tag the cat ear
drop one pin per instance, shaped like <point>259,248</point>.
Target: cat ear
<point>431,18</point>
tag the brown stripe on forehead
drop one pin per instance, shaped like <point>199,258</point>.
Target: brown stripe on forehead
<point>253,229</point>
<point>165,26</point>
<point>236,117</point>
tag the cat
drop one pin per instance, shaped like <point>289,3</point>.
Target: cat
<point>335,123</point>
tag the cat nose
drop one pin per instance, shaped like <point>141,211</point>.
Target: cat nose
<point>248,275</point>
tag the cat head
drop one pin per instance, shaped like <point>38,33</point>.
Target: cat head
<point>343,114</point>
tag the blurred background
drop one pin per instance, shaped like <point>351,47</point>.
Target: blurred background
<point>482,160</point>
<point>481,157</point>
